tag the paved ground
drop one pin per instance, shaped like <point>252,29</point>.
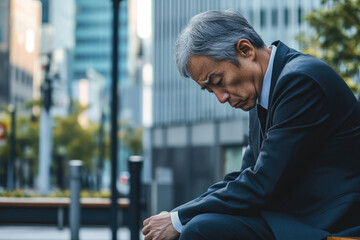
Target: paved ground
<point>52,233</point>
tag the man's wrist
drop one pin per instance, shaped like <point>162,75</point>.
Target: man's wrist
<point>175,220</point>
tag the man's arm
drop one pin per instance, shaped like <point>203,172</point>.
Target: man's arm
<point>300,123</point>
<point>168,225</point>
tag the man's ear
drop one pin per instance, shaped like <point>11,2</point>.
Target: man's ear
<point>245,49</point>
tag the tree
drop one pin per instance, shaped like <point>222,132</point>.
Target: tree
<point>26,149</point>
<point>337,37</point>
<point>132,138</point>
<point>74,141</point>
<point>70,141</point>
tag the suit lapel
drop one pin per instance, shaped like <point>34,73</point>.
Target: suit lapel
<point>280,60</point>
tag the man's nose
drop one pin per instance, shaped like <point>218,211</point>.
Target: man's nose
<point>221,95</point>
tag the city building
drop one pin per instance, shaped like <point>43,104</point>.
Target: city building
<point>20,70</point>
<point>93,63</point>
<point>195,139</point>
<point>93,41</point>
<point>20,29</point>
<point>93,52</point>
<point>61,18</point>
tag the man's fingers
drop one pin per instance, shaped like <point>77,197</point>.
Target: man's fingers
<point>159,227</point>
<point>148,236</point>
<point>146,221</point>
<point>146,230</point>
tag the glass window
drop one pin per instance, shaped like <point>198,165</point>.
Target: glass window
<point>286,16</point>
<point>251,16</point>
<point>45,11</point>
<point>232,158</point>
<point>263,18</point>
<point>274,17</point>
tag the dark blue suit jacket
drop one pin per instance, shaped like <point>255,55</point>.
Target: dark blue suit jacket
<point>302,174</point>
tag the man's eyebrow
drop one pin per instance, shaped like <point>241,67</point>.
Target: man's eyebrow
<point>208,82</point>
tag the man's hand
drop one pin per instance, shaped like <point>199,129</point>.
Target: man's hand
<point>160,227</point>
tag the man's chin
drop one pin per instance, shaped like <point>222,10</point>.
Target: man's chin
<point>245,105</point>
<point>246,108</point>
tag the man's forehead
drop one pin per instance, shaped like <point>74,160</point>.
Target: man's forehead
<point>198,67</point>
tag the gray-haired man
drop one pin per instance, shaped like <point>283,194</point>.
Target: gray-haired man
<point>300,177</point>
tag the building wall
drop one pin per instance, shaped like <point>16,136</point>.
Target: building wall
<point>58,41</point>
<point>4,51</point>
<point>194,135</point>
<point>93,52</point>
<point>22,41</point>
<point>93,39</point>
<point>193,153</point>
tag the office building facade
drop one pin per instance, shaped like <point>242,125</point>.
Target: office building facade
<point>93,50</point>
<point>19,50</point>
<point>93,39</point>
<point>93,62</point>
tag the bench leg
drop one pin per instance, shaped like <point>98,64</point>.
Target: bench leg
<point>60,218</point>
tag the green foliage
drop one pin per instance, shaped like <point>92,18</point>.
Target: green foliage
<point>74,141</point>
<point>133,139</point>
<point>5,150</point>
<point>17,193</point>
<point>55,194</point>
<point>27,141</point>
<point>337,38</point>
<point>71,140</point>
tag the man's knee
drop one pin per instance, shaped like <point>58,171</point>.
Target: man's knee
<point>197,228</point>
<point>212,226</point>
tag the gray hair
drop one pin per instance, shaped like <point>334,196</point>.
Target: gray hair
<point>214,34</point>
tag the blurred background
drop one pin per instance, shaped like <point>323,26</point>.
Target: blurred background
<point>55,95</point>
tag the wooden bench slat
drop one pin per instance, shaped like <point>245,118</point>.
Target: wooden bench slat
<point>342,238</point>
<point>60,202</point>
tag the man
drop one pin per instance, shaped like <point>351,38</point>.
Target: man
<point>300,176</point>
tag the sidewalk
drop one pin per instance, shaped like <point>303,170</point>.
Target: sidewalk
<point>52,233</point>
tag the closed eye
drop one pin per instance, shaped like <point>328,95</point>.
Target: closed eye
<point>207,89</point>
<point>219,83</point>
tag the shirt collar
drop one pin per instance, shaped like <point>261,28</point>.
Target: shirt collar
<point>265,89</point>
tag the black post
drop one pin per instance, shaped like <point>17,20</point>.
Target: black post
<point>101,151</point>
<point>114,127</point>
<point>75,206</point>
<point>135,164</point>
<point>11,162</point>
<point>47,86</point>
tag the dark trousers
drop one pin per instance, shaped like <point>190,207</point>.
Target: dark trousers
<point>213,226</point>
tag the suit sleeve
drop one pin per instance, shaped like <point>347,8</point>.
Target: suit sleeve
<point>300,118</point>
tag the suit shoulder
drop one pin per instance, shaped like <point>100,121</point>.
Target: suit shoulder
<point>307,65</point>
<point>314,75</point>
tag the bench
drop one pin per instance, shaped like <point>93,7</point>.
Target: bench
<point>342,238</point>
<point>60,204</point>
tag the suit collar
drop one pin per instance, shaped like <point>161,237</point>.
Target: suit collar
<point>281,58</point>
<point>266,84</point>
